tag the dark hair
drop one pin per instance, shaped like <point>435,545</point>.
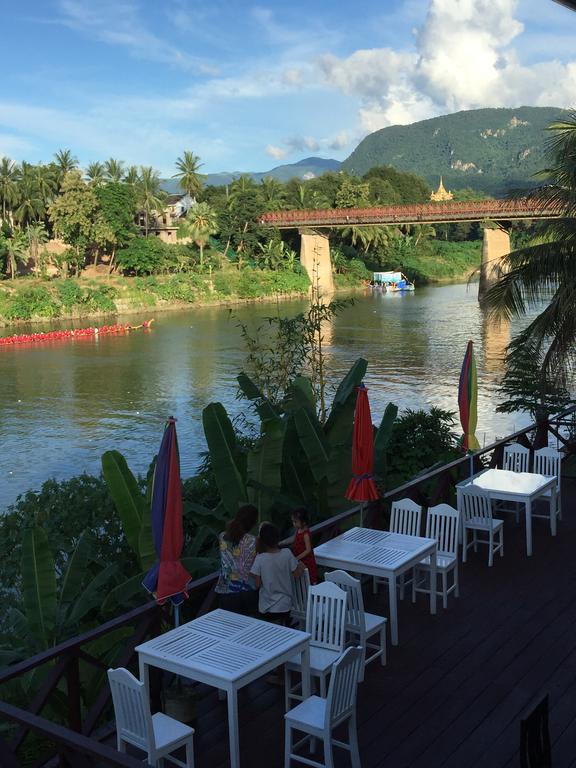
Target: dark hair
<point>301,514</point>
<point>268,536</point>
<point>241,524</point>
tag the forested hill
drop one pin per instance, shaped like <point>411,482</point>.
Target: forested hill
<point>493,150</point>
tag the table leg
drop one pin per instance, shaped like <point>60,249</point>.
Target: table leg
<point>529,527</point>
<point>305,671</point>
<point>144,677</point>
<point>233,727</point>
<point>433,577</point>
<point>553,509</point>
<point>393,600</point>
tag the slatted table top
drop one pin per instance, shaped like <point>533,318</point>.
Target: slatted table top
<point>380,549</point>
<point>225,645</point>
<point>521,484</point>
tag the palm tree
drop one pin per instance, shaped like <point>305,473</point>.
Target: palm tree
<point>199,224</point>
<point>545,270</point>
<point>16,246</point>
<point>114,169</point>
<point>9,173</point>
<point>29,204</point>
<point>95,174</point>
<point>188,177</point>
<point>272,193</point>
<point>45,179</point>
<point>65,162</point>
<point>368,237</point>
<point>131,176</point>
<point>36,235</point>
<point>149,194</point>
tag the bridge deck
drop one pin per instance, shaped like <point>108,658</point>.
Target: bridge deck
<point>481,210</point>
<point>454,690</point>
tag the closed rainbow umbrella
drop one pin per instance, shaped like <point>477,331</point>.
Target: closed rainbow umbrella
<point>468,400</point>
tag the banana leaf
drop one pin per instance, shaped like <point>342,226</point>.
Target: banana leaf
<point>265,466</point>
<point>128,500</point>
<point>383,436</point>
<point>39,586</point>
<point>92,595</point>
<point>264,407</point>
<point>300,394</point>
<point>345,391</point>
<point>223,453</point>
<point>313,443</point>
<point>75,573</point>
<point>124,594</point>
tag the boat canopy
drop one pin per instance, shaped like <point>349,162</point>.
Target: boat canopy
<point>389,277</point>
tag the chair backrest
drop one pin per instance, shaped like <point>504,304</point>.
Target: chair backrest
<point>341,699</point>
<point>476,504</point>
<point>405,517</point>
<point>326,616</point>
<point>442,525</point>
<point>548,461</point>
<point>535,751</point>
<point>131,708</point>
<point>516,458</point>
<point>300,587</point>
<point>354,599</point>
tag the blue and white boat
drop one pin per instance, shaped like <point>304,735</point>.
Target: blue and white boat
<point>392,281</point>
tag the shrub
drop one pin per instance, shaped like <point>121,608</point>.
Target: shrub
<point>100,299</point>
<point>70,294</point>
<point>144,256</point>
<point>32,302</point>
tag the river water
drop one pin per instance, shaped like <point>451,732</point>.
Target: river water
<point>64,403</point>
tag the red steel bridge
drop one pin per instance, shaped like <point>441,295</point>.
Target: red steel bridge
<point>445,213</point>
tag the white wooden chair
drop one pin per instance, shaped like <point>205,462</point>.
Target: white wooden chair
<point>442,524</point>
<point>300,588</point>
<point>516,458</point>
<point>361,626</point>
<point>477,517</point>
<point>405,518</point>
<point>158,735</point>
<point>317,717</point>
<point>548,462</point>
<point>326,623</point>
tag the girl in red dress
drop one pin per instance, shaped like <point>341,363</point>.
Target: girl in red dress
<point>302,546</point>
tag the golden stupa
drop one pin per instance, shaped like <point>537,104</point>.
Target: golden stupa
<point>441,193</point>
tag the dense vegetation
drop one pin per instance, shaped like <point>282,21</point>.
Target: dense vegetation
<point>493,150</point>
<point>59,223</point>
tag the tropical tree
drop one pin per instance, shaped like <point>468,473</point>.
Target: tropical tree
<point>30,206</point>
<point>37,236</point>
<point>95,174</point>
<point>46,180</point>
<point>272,193</point>
<point>544,272</point>
<point>74,213</point>
<point>117,203</point>
<point>367,237</point>
<point>65,162</point>
<point>114,169</point>
<point>149,195</point>
<point>199,224</point>
<point>9,173</point>
<point>188,177</point>
<point>16,248</point>
<point>131,176</point>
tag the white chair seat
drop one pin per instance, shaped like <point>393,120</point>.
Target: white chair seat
<point>168,731</point>
<point>311,713</point>
<point>442,562</point>
<point>321,660</point>
<point>484,524</point>
<point>373,623</point>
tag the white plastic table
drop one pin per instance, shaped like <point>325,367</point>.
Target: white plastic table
<point>519,487</point>
<point>226,650</point>
<point>383,554</point>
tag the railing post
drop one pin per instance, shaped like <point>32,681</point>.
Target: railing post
<point>74,698</point>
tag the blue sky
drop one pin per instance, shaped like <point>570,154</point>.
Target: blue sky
<point>247,86</point>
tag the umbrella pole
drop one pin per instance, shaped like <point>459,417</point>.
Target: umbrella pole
<point>362,514</point>
<point>471,463</point>
<point>176,616</point>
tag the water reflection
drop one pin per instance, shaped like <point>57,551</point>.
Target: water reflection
<point>65,403</point>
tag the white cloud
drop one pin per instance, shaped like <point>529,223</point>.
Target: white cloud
<point>463,59</point>
<point>278,153</point>
<point>341,140</point>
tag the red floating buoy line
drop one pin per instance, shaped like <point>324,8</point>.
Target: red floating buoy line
<point>77,333</point>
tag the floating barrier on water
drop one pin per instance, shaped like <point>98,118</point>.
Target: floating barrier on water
<point>76,333</point>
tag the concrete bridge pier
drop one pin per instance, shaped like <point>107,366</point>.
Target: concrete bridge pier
<point>315,258</point>
<point>495,245</point>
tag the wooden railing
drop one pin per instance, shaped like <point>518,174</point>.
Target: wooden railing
<point>79,742</point>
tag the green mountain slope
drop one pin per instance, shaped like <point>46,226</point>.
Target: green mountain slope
<point>493,150</point>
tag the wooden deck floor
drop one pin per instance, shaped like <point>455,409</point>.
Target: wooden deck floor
<point>454,689</point>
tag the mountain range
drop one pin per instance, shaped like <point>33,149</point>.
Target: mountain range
<point>490,150</point>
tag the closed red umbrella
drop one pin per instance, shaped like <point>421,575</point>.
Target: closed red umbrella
<point>362,486</point>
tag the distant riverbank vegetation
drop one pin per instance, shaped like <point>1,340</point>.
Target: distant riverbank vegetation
<point>77,242</point>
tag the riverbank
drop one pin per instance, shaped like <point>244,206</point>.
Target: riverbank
<point>30,300</point>
<point>438,261</point>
